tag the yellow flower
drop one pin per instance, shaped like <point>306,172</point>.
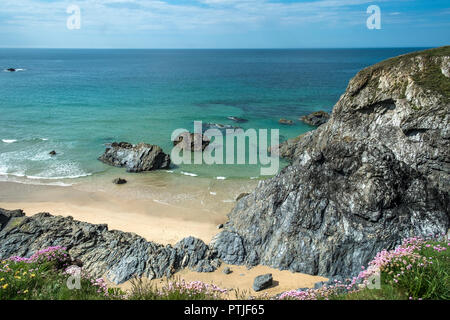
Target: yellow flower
<point>24,273</point>
<point>32,275</point>
<point>5,286</point>
<point>26,291</point>
<point>17,277</point>
<point>2,279</point>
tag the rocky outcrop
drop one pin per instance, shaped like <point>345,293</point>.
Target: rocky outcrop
<point>317,118</point>
<point>286,122</point>
<point>376,172</point>
<point>194,142</point>
<point>237,119</point>
<point>114,254</point>
<point>135,158</point>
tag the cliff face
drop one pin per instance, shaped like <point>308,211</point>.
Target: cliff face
<point>376,172</point>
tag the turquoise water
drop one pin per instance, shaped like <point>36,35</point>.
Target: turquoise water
<point>76,101</point>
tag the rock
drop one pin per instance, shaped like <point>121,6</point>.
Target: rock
<point>52,153</point>
<point>237,119</point>
<point>119,255</point>
<point>192,141</point>
<point>286,122</point>
<point>218,126</point>
<point>262,282</point>
<point>119,181</point>
<point>135,158</point>
<point>377,172</point>
<point>226,270</point>
<point>220,226</point>
<point>11,69</point>
<point>316,118</point>
<point>242,195</point>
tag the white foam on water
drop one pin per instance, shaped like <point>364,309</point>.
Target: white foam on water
<point>253,178</point>
<point>221,178</point>
<point>169,171</point>
<point>213,193</point>
<point>9,140</point>
<point>189,174</point>
<point>44,139</point>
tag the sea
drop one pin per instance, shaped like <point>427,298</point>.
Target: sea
<point>76,102</point>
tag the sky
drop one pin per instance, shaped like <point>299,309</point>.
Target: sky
<point>223,24</point>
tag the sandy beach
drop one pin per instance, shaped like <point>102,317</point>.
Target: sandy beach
<point>162,221</point>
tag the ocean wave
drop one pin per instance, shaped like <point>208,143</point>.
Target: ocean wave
<point>189,174</point>
<point>9,140</point>
<point>59,178</point>
<point>221,178</point>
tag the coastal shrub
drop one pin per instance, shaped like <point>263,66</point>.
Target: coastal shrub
<point>44,276</point>
<point>417,269</point>
<point>175,290</point>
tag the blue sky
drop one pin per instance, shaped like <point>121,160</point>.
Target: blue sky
<point>224,24</point>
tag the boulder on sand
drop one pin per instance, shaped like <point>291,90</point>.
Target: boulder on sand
<point>262,282</point>
<point>136,158</point>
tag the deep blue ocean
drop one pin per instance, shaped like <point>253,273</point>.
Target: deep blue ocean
<point>76,101</point>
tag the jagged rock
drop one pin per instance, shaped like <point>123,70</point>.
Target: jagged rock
<point>119,181</point>
<point>375,173</point>
<point>117,254</point>
<point>136,158</point>
<point>226,270</point>
<point>262,282</point>
<point>220,226</point>
<point>317,118</point>
<point>286,121</point>
<point>52,153</point>
<point>11,69</point>
<point>192,141</point>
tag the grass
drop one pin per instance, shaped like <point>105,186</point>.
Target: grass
<point>418,269</point>
<point>430,79</point>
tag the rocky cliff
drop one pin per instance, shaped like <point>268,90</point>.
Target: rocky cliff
<point>115,254</point>
<point>376,172</point>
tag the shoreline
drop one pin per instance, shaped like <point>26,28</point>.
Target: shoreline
<point>139,216</point>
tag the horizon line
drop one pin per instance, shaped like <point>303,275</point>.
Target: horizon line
<point>256,48</point>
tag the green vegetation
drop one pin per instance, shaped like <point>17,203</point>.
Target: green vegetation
<point>430,79</point>
<point>418,269</point>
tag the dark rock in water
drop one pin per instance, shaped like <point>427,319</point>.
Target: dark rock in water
<point>377,172</point>
<point>221,127</point>
<point>120,255</point>
<point>194,142</point>
<point>262,282</point>
<point>11,69</point>
<point>135,158</point>
<point>119,181</point>
<point>226,270</point>
<point>242,195</point>
<point>237,119</point>
<point>316,118</point>
<point>286,121</point>
<point>52,153</point>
